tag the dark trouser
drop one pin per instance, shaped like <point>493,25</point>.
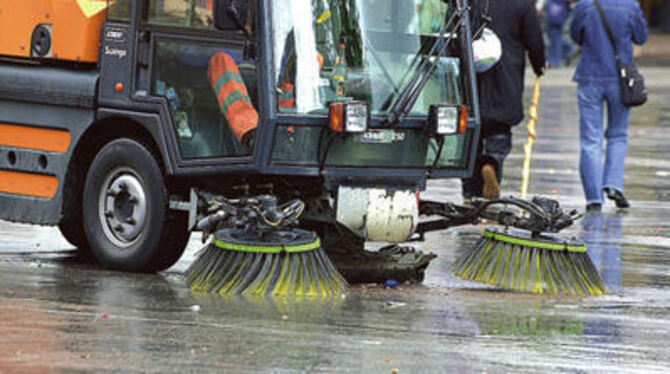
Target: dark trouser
<point>495,143</point>
<point>559,47</point>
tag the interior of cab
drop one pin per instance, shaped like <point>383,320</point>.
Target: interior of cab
<point>181,76</point>
<point>180,73</point>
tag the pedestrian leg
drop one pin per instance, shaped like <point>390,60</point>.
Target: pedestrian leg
<point>617,139</point>
<point>590,100</point>
<point>567,49</point>
<point>555,51</point>
<point>473,187</point>
<point>496,148</point>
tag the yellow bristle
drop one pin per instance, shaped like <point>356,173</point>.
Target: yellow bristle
<point>228,268</point>
<point>525,264</point>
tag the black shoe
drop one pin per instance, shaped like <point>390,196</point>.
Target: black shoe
<point>618,197</point>
<point>594,208</point>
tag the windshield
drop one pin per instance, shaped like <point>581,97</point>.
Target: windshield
<point>363,50</point>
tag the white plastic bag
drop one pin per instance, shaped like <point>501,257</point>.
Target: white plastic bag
<point>487,51</point>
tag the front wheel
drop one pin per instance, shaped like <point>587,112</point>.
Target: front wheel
<point>73,233</point>
<point>127,221</point>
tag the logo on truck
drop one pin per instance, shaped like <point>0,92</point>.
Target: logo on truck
<point>115,35</point>
<point>111,51</point>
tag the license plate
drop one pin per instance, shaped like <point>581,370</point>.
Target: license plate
<point>380,137</point>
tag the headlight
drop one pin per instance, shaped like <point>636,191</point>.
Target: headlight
<point>351,117</point>
<point>447,119</point>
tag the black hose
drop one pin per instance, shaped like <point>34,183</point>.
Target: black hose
<point>525,205</point>
<point>326,151</point>
<point>438,155</point>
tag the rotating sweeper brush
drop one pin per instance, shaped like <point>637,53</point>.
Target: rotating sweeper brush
<point>258,252</point>
<point>540,263</point>
<point>531,259</point>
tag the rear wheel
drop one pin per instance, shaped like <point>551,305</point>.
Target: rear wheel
<point>127,221</point>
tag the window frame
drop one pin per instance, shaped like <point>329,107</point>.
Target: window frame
<point>232,39</point>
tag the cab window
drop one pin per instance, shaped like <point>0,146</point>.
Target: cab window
<point>364,50</point>
<point>211,93</point>
<point>187,13</point>
<point>119,10</point>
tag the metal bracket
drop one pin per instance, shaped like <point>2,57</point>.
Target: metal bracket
<point>537,216</point>
<point>190,206</point>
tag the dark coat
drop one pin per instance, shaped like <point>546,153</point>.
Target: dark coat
<point>501,88</point>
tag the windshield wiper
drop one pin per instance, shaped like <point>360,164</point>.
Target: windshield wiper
<point>410,94</point>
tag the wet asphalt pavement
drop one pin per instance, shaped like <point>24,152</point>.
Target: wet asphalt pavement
<point>58,314</point>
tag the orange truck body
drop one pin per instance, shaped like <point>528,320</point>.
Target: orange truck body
<point>75,27</point>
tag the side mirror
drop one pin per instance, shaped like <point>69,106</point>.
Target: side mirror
<point>230,14</point>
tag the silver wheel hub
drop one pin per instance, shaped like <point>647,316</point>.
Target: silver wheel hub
<point>122,207</point>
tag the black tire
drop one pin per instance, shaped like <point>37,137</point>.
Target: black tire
<point>127,221</point>
<point>74,233</point>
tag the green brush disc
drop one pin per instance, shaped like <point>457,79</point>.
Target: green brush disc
<point>276,263</point>
<point>293,241</point>
<point>541,241</point>
<point>520,261</point>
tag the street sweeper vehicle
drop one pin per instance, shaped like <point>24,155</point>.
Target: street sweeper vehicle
<point>289,131</point>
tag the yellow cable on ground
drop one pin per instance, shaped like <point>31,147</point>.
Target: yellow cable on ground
<point>532,135</point>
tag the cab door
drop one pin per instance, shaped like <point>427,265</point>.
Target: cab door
<point>207,79</point>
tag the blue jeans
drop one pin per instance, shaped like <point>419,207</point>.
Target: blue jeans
<point>596,175</point>
<point>559,47</point>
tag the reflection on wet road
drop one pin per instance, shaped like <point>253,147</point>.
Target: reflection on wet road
<point>59,313</point>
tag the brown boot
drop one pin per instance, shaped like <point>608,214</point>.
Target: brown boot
<point>491,184</point>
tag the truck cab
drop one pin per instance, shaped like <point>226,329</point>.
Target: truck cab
<point>350,105</point>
